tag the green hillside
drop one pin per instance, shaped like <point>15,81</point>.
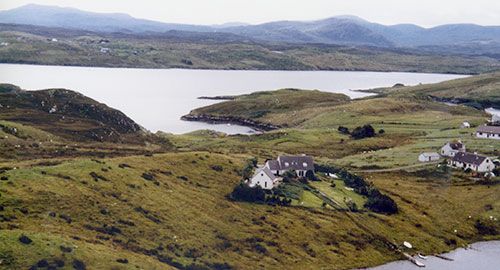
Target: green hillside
<point>478,91</point>
<point>71,202</point>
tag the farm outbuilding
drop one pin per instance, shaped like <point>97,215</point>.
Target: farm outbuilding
<point>428,157</point>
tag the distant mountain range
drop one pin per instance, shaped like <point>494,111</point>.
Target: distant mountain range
<point>342,30</point>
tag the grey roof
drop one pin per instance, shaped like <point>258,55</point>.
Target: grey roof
<point>468,158</point>
<point>489,129</point>
<point>274,165</point>
<point>296,163</point>
<point>267,172</point>
<point>456,146</point>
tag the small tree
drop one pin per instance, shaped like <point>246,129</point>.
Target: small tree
<point>343,130</point>
<point>243,192</point>
<point>304,181</point>
<point>311,176</point>
<point>289,175</point>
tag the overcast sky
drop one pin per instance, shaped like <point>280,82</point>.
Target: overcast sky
<point>426,13</point>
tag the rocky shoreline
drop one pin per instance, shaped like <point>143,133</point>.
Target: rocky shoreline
<point>217,98</point>
<point>229,120</point>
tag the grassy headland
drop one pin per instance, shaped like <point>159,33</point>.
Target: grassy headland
<point>477,91</point>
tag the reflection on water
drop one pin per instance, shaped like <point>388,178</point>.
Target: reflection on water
<point>157,98</point>
<point>480,256</point>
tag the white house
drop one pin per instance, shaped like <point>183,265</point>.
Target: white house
<point>488,132</point>
<point>495,119</point>
<point>428,157</point>
<point>465,125</point>
<point>264,178</point>
<point>299,164</point>
<point>471,161</point>
<point>450,149</point>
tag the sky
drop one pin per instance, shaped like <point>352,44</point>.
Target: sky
<point>426,13</point>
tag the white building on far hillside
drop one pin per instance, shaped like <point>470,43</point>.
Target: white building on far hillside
<point>428,157</point>
<point>471,161</point>
<point>488,132</point>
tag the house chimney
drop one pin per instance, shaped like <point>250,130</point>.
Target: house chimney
<point>460,141</point>
<point>303,155</point>
<point>475,153</point>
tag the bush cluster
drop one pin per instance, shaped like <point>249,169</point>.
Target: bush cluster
<point>377,202</point>
<point>365,131</point>
<point>243,192</point>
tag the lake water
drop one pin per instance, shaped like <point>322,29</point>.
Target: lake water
<point>157,98</point>
<point>478,256</point>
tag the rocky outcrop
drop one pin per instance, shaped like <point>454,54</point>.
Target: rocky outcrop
<point>229,119</point>
<point>217,98</point>
<point>65,113</point>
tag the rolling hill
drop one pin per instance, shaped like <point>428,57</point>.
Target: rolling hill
<point>77,202</point>
<point>342,30</point>
<point>481,91</point>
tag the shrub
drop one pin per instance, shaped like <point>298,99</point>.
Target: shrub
<point>78,265</point>
<point>217,168</point>
<point>381,131</point>
<point>343,130</point>
<point>363,132</point>
<point>382,204</point>
<point>311,176</point>
<point>303,180</point>
<point>486,227</point>
<point>243,192</point>
<point>25,239</point>
<point>289,175</point>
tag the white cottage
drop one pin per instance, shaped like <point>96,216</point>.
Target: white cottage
<point>495,119</point>
<point>451,149</point>
<point>471,161</point>
<point>428,157</point>
<point>488,132</point>
<point>264,178</point>
<point>465,125</point>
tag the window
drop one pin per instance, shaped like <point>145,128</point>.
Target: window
<point>265,184</point>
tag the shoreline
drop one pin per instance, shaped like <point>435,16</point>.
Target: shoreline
<point>212,119</point>
<point>445,256</point>
<point>241,69</point>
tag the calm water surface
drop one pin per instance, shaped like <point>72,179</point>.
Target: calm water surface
<point>157,98</point>
<point>478,256</point>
